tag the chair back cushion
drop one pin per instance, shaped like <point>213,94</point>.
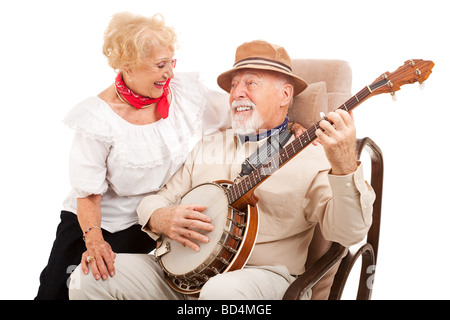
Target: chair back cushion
<point>330,84</point>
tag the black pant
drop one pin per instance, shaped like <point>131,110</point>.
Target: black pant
<point>69,246</point>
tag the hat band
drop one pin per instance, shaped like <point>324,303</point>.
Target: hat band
<point>263,61</point>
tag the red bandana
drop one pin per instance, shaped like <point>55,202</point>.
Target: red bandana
<point>138,101</point>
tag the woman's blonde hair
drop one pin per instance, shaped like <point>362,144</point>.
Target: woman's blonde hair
<point>129,39</point>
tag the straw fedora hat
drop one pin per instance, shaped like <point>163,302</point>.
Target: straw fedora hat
<point>262,55</point>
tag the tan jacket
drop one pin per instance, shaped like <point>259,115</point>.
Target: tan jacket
<point>291,201</point>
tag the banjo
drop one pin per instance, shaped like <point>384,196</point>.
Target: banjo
<point>232,206</point>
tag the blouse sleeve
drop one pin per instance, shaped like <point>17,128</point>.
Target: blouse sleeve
<point>87,165</point>
<point>217,111</point>
<point>216,114</point>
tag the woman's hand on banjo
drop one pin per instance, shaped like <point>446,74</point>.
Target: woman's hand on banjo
<point>180,224</point>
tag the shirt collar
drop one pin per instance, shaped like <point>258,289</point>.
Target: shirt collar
<point>264,133</point>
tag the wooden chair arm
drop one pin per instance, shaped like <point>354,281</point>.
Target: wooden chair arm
<point>313,274</point>
<point>376,180</point>
<point>366,252</point>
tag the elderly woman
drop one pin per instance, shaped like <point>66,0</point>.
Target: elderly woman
<point>129,140</point>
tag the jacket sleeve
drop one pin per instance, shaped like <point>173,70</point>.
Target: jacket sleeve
<point>342,205</point>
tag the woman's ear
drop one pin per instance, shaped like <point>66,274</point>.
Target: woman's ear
<point>127,73</point>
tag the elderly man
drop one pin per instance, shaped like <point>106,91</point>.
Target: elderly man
<point>321,185</point>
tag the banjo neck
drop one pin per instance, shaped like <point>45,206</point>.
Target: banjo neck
<point>241,193</point>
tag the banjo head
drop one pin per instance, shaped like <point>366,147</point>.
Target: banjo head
<point>181,260</point>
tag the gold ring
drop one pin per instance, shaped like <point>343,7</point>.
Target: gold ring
<point>89,259</point>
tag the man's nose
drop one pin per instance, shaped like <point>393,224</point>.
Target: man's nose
<point>239,91</point>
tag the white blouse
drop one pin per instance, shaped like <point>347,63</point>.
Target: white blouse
<point>125,162</point>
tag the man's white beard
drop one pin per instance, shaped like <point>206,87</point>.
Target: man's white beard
<point>242,124</point>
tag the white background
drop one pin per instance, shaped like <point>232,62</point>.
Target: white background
<point>51,59</point>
